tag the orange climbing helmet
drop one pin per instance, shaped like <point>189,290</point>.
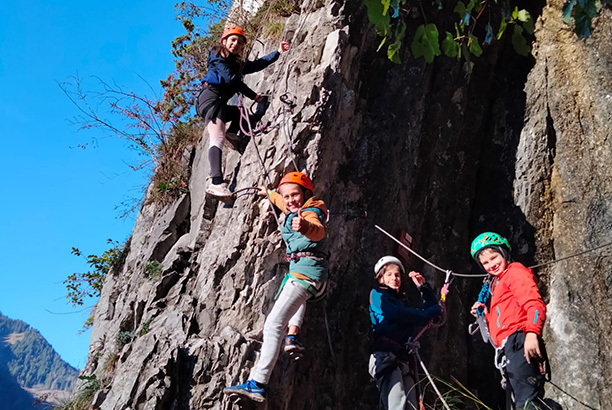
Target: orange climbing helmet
<point>297,178</point>
<point>231,30</point>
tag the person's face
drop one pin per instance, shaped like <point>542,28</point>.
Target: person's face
<point>392,276</point>
<point>293,196</point>
<point>492,261</point>
<point>234,43</point>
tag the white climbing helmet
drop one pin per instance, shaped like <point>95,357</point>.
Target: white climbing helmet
<point>385,260</point>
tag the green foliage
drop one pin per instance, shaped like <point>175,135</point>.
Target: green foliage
<point>153,270</point>
<point>274,29</point>
<point>81,400</point>
<point>583,12</point>
<point>519,42</point>
<point>145,326</point>
<point>87,324</point>
<point>89,284</point>
<point>450,47</point>
<point>110,363</point>
<point>393,49</point>
<point>269,20</point>
<point>457,395</point>
<point>425,43</point>
<point>378,16</point>
<point>124,337</point>
<point>473,27</point>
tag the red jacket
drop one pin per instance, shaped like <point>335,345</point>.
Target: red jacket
<point>516,304</point>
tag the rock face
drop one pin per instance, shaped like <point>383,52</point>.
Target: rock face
<point>564,186</point>
<point>424,148</point>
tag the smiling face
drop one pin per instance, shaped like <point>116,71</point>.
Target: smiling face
<point>234,43</point>
<point>293,196</point>
<point>392,276</point>
<point>492,261</point>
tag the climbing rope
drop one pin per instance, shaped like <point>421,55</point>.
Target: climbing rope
<point>478,275</point>
<point>413,347</point>
<point>329,341</point>
<point>569,395</point>
<point>410,250</point>
<point>251,190</point>
<point>570,256</point>
<point>244,115</point>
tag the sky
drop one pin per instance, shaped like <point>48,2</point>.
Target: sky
<point>53,194</point>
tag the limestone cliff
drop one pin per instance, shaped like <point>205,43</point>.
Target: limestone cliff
<point>520,146</point>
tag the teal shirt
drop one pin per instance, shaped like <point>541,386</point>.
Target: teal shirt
<point>313,267</point>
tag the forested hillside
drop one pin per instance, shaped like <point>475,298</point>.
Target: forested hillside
<point>28,360</point>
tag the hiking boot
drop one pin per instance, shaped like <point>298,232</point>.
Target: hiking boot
<point>219,191</point>
<point>293,345</point>
<point>251,390</point>
<point>237,142</point>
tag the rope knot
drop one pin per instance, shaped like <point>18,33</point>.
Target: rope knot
<point>412,345</point>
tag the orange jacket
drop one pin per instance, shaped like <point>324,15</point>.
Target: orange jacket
<point>516,304</point>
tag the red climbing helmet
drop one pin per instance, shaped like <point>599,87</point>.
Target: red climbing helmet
<point>297,178</point>
<point>233,30</point>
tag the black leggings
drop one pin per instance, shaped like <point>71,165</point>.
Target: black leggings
<point>526,380</point>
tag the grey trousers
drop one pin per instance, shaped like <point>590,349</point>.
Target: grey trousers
<point>289,308</point>
<point>394,380</point>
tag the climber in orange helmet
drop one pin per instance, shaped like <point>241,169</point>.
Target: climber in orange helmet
<point>226,67</point>
<point>305,233</point>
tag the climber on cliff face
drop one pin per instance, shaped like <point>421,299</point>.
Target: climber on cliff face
<point>305,233</point>
<point>224,79</point>
<point>394,322</point>
<point>514,315</point>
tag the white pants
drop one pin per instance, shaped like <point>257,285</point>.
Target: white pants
<point>394,380</point>
<point>288,309</point>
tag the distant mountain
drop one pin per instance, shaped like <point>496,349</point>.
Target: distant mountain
<point>27,360</point>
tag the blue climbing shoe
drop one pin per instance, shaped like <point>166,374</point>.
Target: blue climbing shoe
<point>293,345</point>
<point>251,390</point>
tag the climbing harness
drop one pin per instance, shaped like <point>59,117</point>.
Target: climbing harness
<point>317,293</point>
<point>294,256</point>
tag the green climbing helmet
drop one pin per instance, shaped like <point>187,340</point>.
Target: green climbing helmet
<point>486,239</point>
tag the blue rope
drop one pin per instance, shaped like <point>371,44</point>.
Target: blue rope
<point>484,296</point>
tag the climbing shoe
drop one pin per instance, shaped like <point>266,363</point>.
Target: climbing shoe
<point>293,345</point>
<point>219,191</point>
<point>251,389</point>
<point>237,142</point>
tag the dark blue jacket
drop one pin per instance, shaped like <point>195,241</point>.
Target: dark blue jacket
<point>394,322</point>
<point>227,72</point>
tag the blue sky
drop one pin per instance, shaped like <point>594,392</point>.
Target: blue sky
<point>55,195</point>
